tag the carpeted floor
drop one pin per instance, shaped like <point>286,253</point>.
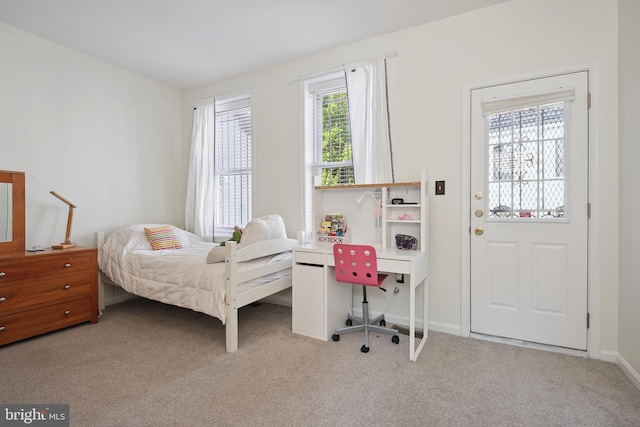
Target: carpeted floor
<point>148,364</point>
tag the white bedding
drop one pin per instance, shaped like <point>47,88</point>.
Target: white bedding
<point>179,277</point>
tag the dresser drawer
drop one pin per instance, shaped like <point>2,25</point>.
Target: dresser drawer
<point>33,322</point>
<point>11,272</point>
<point>44,292</point>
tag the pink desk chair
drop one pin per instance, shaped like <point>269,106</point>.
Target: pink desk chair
<point>357,264</point>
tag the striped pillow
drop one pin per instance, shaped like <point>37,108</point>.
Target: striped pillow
<point>162,238</point>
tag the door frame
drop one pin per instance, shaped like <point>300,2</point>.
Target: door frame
<point>593,225</point>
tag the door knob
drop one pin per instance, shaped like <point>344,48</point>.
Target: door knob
<point>479,231</point>
<point>479,213</point>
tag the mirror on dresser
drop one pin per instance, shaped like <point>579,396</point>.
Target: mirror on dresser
<point>12,211</point>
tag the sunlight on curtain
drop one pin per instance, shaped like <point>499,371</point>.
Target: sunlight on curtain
<point>366,89</point>
<point>200,191</point>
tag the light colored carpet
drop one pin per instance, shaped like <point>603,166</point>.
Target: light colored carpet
<point>148,364</point>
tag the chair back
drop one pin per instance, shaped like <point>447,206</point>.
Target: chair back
<point>357,264</point>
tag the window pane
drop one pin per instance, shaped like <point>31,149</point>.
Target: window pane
<point>234,207</point>
<point>233,175</point>
<point>527,163</point>
<point>333,147</point>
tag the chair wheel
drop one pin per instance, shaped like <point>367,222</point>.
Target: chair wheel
<point>383,323</point>
<point>364,349</point>
<point>349,322</point>
<point>395,339</point>
<point>336,337</point>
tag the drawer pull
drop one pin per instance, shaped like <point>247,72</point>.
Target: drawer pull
<point>67,286</point>
<point>1,328</point>
<point>67,265</point>
<point>68,312</point>
<point>2,274</point>
<point>2,299</point>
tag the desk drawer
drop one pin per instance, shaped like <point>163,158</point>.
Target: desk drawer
<point>384,265</point>
<point>394,266</point>
<point>309,258</point>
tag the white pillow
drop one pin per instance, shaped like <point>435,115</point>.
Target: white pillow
<point>132,237</point>
<point>261,229</point>
<point>257,230</point>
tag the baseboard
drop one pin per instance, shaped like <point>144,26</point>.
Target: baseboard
<point>629,371</point>
<point>390,319</point>
<point>403,322</point>
<point>280,298</point>
<point>419,333</point>
<point>606,356</point>
<point>445,328</point>
<point>124,297</point>
<point>120,298</point>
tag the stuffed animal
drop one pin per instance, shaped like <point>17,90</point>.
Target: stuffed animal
<point>235,237</point>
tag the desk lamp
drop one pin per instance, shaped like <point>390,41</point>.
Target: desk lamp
<point>367,193</point>
<point>67,238</point>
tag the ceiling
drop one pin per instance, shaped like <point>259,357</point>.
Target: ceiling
<point>186,43</point>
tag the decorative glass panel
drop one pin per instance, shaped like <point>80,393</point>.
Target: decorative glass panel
<point>526,163</point>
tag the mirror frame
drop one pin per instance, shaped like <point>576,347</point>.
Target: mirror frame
<point>17,244</point>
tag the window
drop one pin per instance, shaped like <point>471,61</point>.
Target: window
<point>331,134</point>
<point>219,185</point>
<point>232,163</point>
<point>347,139</point>
<point>328,149</point>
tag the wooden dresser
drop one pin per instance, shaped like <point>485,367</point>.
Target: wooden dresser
<point>44,291</point>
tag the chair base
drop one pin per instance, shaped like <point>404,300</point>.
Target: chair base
<point>366,325</point>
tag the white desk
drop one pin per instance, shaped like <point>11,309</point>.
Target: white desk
<point>319,301</point>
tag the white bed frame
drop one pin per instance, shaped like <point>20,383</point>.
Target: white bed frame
<point>235,300</point>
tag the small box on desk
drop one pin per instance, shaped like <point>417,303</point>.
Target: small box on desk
<point>332,230</point>
<point>325,239</point>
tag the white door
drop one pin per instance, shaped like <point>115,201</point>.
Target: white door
<point>529,210</point>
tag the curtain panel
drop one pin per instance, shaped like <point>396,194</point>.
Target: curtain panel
<point>369,118</point>
<point>199,209</point>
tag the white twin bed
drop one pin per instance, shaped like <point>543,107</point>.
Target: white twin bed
<point>202,276</point>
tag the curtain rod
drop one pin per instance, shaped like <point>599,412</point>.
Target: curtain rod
<point>228,95</point>
<point>310,76</point>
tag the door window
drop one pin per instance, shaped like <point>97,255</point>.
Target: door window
<point>526,169</point>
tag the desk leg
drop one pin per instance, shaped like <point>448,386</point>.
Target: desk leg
<point>413,351</point>
<point>412,320</point>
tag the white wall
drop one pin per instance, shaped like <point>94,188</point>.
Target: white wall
<point>106,139</point>
<point>435,62</point>
<point>629,300</point>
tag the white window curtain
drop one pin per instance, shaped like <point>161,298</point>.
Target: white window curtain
<point>200,191</point>
<point>368,114</point>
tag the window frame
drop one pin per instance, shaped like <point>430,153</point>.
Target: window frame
<point>333,81</point>
<point>224,107</point>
